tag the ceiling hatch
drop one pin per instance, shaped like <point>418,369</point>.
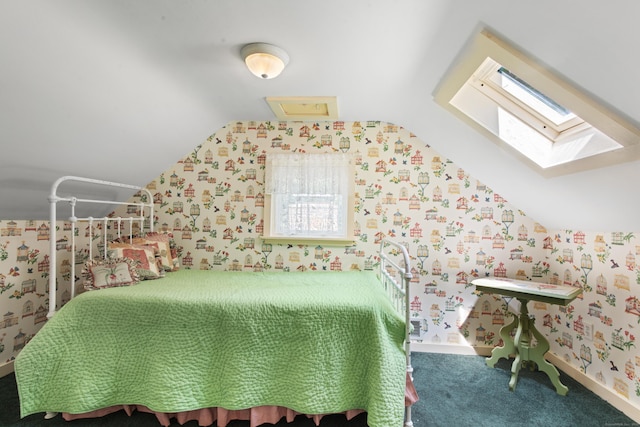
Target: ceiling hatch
<point>304,107</point>
<point>541,118</point>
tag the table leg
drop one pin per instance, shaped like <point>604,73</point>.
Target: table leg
<point>521,341</point>
<point>537,355</point>
<point>525,352</point>
<point>507,349</point>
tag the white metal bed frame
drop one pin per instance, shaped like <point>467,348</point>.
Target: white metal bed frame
<point>54,199</point>
<point>398,291</point>
<point>395,275</point>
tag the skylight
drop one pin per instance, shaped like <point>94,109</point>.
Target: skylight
<point>528,109</point>
<point>532,97</point>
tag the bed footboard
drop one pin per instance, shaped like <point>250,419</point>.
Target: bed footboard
<point>395,275</point>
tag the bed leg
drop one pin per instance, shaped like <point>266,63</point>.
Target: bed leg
<point>50,415</point>
<point>407,411</point>
<point>408,422</point>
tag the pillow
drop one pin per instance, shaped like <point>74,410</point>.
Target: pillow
<point>121,239</point>
<point>167,252</point>
<point>109,273</point>
<point>144,258</point>
<point>163,251</point>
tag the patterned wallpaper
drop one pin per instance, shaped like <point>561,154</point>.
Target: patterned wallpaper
<point>456,229</point>
<point>24,272</point>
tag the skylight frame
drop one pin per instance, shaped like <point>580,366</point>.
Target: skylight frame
<point>487,80</point>
<point>538,101</point>
<point>607,124</point>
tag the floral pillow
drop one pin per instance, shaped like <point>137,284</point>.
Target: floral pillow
<point>144,258</point>
<point>109,273</point>
<point>170,261</point>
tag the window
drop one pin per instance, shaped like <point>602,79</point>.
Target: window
<point>309,197</point>
<point>542,118</point>
<point>531,106</point>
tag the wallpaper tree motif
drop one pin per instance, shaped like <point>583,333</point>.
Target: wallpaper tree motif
<point>455,228</point>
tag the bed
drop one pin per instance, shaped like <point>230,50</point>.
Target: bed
<point>214,346</point>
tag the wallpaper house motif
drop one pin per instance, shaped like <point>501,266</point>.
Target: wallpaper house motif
<point>455,228</point>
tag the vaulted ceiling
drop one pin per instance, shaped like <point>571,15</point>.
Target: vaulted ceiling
<point>121,90</point>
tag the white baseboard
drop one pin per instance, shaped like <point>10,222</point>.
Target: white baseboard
<point>617,401</point>
<point>6,369</point>
<point>451,349</point>
<point>611,396</point>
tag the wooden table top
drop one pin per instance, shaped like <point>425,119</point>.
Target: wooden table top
<point>525,289</point>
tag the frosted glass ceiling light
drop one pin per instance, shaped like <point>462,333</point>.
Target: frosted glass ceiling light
<point>264,60</point>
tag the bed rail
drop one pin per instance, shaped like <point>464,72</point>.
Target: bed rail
<point>146,214</point>
<point>396,278</point>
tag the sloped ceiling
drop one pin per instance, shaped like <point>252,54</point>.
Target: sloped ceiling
<point>121,90</point>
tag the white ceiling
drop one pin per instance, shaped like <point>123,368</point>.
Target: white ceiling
<point>121,90</point>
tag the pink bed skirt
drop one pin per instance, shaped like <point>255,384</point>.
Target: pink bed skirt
<point>207,416</point>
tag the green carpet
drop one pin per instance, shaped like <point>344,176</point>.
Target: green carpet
<point>463,391</point>
<point>454,390</point>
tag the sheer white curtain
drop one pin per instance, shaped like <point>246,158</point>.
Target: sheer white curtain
<point>309,193</point>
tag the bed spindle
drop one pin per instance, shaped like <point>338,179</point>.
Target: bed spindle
<point>130,229</point>
<point>74,221</point>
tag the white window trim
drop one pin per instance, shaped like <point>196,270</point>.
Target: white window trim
<point>607,124</point>
<point>347,238</point>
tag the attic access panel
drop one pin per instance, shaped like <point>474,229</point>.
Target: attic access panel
<point>304,107</point>
<point>543,119</point>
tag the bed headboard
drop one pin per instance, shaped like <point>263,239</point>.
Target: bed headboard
<point>141,213</point>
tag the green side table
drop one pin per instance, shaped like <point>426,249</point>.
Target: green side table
<point>521,343</point>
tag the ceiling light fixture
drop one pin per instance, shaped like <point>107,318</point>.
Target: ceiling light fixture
<point>264,60</point>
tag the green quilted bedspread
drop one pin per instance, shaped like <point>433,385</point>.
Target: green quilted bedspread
<point>314,342</point>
